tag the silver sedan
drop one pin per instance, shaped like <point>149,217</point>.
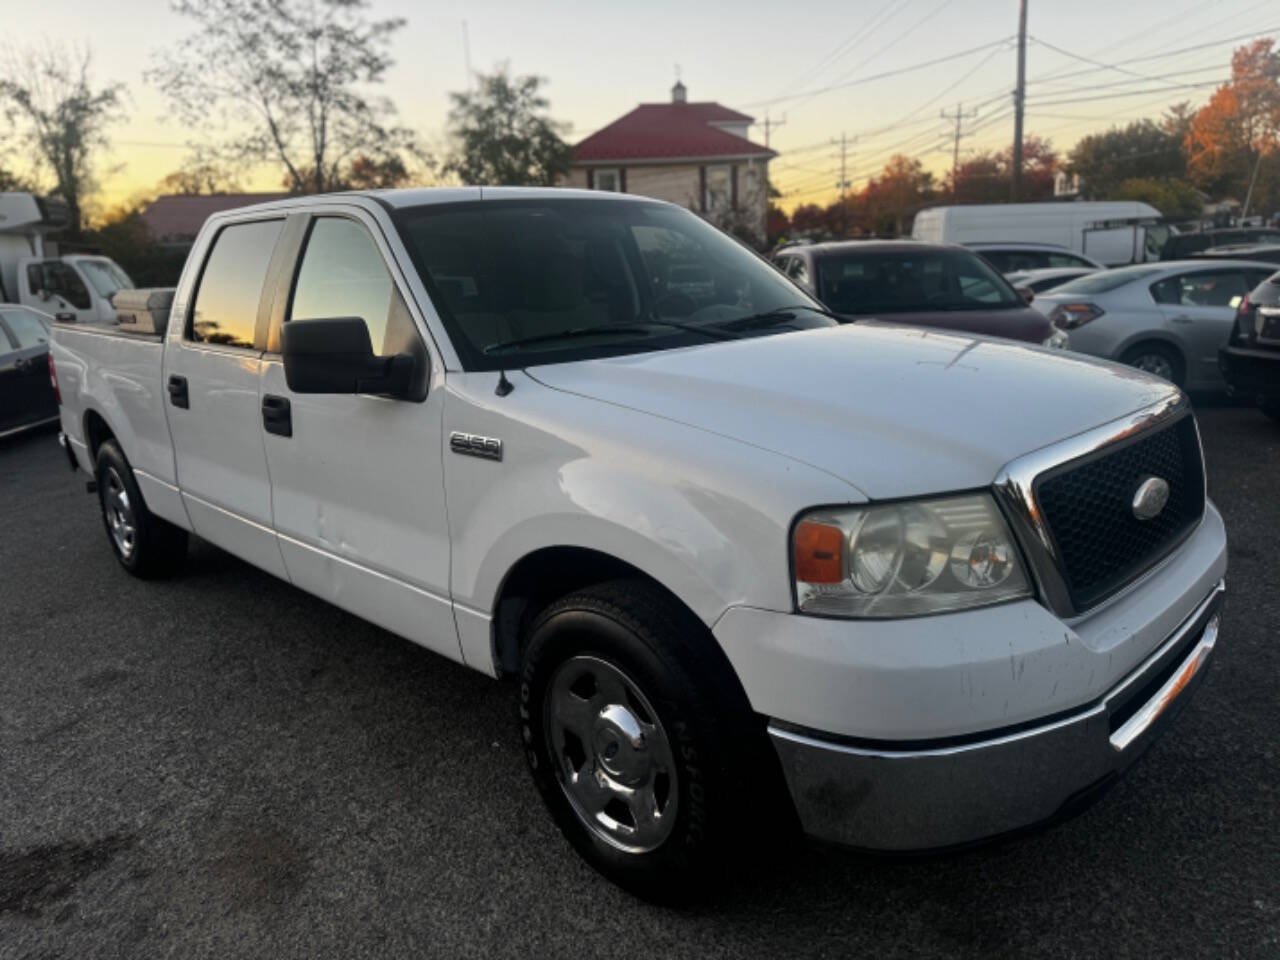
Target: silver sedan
<point>1166,318</point>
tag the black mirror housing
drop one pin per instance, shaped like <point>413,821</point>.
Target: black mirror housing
<point>335,355</point>
<point>1026,293</point>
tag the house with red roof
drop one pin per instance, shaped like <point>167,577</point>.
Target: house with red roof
<point>694,154</point>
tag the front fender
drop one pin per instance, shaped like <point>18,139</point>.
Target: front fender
<point>705,516</point>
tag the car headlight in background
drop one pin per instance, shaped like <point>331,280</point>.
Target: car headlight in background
<point>1057,340</point>
<point>905,559</point>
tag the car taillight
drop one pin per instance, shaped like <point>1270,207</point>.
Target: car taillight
<point>1244,320</point>
<point>1068,316</point>
<point>53,379</point>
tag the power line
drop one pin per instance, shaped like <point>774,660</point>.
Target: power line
<point>958,117</point>
<point>1103,66</point>
<point>880,76</point>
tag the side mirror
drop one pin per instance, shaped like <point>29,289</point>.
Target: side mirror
<point>44,294</point>
<point>1026,293</point>
<point>334,355</point>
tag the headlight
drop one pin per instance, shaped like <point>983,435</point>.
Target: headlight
<point>1057,340</point>
<point>906,559</point>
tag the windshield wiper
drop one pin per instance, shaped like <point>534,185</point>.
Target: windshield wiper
<point>778,316</point>
<point>596,329</point>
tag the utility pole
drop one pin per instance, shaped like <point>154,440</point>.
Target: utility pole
<point>958,118</point>
<point>844,143</point>
<point>771,125</point>
<point>1019,98</point>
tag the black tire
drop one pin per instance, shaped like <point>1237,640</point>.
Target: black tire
<point>1142,356</point>
<point>153,548</point>
<point>723,763</point>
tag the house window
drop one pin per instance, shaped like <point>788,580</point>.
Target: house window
<point>718,189</point>
<point>608,180</point>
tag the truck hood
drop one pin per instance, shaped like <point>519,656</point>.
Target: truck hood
<point>894,411</point>
<point>1016,323</point>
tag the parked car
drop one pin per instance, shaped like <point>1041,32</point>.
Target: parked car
<point>920,284</point>
<point>1013,257</point>
<point>1167,318</point>
<point>1258,253</point>
<point>1250,360</point>
<point>1182,245</point>
<point>26,392</point>
<point>1042,281</point>
<point>1111,232</point>
<point>739,557</point>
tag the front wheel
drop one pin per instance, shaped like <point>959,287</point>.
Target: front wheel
<point>639,739</point>
<point>144,544</point>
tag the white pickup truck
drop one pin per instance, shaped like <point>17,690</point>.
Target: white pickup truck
<point>74,287</point>
<point>743,561</point>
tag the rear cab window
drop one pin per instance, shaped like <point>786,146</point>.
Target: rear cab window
<point>225,309</point>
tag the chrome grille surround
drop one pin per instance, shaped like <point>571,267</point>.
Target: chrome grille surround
<point>1014,489</point>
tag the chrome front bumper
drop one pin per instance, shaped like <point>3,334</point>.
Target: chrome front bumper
<point>923,796</point>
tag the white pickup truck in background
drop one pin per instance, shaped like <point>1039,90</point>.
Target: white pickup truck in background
<point>73,287</point>
<point>744,561</point>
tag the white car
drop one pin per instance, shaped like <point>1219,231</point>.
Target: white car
<point>1044,280</point>
<point>737,556</point>
<point>1166,318</point>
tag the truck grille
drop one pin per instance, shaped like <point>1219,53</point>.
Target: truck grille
<point>1088,506</point>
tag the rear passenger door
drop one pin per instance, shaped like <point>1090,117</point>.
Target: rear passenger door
<point>32,393</point>
<point>357,480</point>
<point>1199,307</point>
<point>212,373</point>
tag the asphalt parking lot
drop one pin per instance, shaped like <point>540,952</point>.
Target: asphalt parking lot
<point>221,765</point>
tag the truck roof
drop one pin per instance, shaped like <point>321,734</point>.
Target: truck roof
<point>421,196</point>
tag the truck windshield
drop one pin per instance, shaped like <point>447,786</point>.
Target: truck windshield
<point>912,281</point>
<point>105,276</point>
<point>536,281</point>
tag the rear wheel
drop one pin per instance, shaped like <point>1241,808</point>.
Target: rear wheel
<point>641,742</point>
<point>1157,358</point>
<point>144,544</point>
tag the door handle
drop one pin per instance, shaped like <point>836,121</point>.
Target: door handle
<point>1183,318</point>
<point>277,415</point>
<point>178,395</point>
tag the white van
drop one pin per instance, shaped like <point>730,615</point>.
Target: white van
<point>1111,231</point>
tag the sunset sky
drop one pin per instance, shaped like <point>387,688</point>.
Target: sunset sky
<point>765,59</point>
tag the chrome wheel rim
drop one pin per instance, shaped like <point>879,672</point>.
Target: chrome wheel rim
<point>1153,363</point>
<point>119,511</point>
<point>612,756</point>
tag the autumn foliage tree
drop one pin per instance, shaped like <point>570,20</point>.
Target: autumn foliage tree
<point>988,177</point>
<point>1233,144</point>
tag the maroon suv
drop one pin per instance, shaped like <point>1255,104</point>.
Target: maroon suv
<point>925,284</point>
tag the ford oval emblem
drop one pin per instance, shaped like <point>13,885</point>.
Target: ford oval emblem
<point>1150,498</point>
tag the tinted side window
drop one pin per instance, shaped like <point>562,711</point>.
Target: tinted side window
<point>1065,260</point>
<point>1168,290</point>
<point>343,275</point>
<point>59,279</point>
<point>1218,288</point>
<point>798,270</point>
<point>226,305</point>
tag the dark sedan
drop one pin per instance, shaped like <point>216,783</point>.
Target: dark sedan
<point>27,397</point>
<point>1250,361</point>
<point>922,284</point>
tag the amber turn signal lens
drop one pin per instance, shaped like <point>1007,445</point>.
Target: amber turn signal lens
<point>819,553</point>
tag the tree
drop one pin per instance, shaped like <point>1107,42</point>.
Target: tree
<point>1172,197</point>
<point>10,181</point>
<point>1143,148</point>
<point>777,225</point>
<point>291,74</point>
<point>988,177</point>
<point>201,173</point>
<point>502,135</point>
<point>1231,137</point>
<point>62,119</point>
<point>808,221</point>
<point>891,200</point>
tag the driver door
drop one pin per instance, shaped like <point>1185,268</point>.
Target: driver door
<point>357,481</point>
<point>56,288</point>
